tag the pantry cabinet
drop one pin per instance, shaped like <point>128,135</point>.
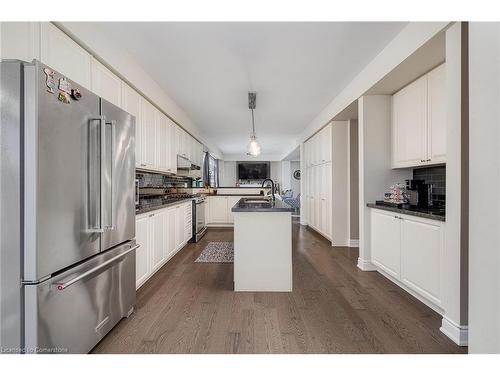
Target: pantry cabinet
<point>410,250</point>
<point>160,234</point>
<point>61,53</point>
<point>318,181</point>
<point>419,121</point>
<point>148,116</point>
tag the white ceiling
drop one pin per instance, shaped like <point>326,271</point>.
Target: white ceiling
<point>295,68</point>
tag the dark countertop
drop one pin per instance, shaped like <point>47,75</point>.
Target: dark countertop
<point>426,213</point>
<point>235,195</point>
<point>242,187</point>
<point>166,203</point>
<point>276,206</point>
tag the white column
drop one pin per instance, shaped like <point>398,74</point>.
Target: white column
<point>484,211</point>
<point>375,173</point>
<point>454,279</point>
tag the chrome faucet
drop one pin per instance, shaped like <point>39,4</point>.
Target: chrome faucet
<point>272,187</point>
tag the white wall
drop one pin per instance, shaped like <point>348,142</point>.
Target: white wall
<point>340,183</point>
<point>484,195</point>
<point>295,184</point>
<point>286,177</point>
<point>375,173</point>
<point>353,181</point>
<point>455,252</point>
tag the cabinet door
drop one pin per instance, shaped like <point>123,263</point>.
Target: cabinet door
<point>20,40</point>
<point>172,151</point>
<point>218,210</point>
<point>142,262</point>
<point>61,53</point>
<point>149,134</point>
<point>409,125</point>
<point>162,141</point>
<point>170,229</point>
<point>231,201</point>
<point>386,242</point>
<point>131,102</point>
<point>106,84</point>
<point>436,115</point>
<point>326,198</point>
<point>179,227</point>
<point>317,197</point>
<point>326,144</point>
<point>188,221</point>
<point>158,245</point>
<point>422,244</point>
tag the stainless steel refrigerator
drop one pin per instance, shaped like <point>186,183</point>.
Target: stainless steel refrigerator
<point>67,212</point>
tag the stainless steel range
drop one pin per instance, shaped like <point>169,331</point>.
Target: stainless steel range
<point>199,220</point>
<point>68,216</point>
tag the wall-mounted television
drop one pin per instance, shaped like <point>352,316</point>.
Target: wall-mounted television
<point>253,170</point>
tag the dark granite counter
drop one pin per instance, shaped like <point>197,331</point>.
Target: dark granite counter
<point>235,195</point>
<point>141,209</point>
<point>426,213</point>
<point>270,206</point>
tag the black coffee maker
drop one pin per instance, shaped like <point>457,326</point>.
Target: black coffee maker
<point>419,193</point>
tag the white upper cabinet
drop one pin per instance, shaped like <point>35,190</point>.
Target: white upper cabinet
<point>20,40</point>
<point>436,115</point>
<point>162,141</point>
<point>172,131</point>
<point>409,119</point>
<point>106,84</point>
<point>61,53</point>
<point>148,116</point>
<point>419,121</point>
<point>131,102</point>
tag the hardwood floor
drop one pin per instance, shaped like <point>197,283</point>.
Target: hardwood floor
<point>189,307</point>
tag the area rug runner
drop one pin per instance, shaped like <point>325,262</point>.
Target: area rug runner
<point>217,252</point>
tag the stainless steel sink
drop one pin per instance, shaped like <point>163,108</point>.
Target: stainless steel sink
<point>257,200</point>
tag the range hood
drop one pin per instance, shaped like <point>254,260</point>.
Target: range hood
<point>186,168</point>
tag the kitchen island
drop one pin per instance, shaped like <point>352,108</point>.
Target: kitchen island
<point>262,245</point>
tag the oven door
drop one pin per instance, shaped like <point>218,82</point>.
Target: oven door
<point>200,216</point>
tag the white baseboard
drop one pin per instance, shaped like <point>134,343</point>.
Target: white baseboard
<point>458,334</point>
<point>366,265</point>
<point>353,243</point>
<point>220,225</point>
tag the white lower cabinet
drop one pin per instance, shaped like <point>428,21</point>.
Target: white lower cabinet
<point>422,245</point>
<point>142,237</point>
<point>386,242</point>
<point>160,234</point>
<point>219,212</point>
<point>410,249</point>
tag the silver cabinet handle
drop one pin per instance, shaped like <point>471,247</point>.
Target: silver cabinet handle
<point>64,285</point>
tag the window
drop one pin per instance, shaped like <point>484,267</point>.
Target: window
<point>211,170</point>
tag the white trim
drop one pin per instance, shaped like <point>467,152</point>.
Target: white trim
<point>353,243</point>
<point>366,265</point>
<point>458,334</point>
<point>220,225</point>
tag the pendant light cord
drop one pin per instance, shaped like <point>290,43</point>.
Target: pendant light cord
<point>253,124</point>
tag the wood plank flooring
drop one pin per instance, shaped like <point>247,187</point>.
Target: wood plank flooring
<point>189,307</point>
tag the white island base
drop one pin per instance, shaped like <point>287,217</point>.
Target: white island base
<point>262,251</point>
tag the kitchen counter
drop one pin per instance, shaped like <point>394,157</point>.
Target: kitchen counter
<point>234,195</point>
<point>276,206</point>
<point>426,213</point>
<point>164,203</point>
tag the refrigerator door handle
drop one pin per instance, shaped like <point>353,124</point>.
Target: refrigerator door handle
<point>65,284</point>
<point>100,228</point>
<point>111,225</point>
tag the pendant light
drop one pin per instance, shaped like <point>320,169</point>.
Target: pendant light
<point>253,145</point>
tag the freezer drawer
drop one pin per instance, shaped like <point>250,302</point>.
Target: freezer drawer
<point>73,311</point>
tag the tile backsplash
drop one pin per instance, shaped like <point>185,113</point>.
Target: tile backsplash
<point>435,176</point>
<point>153,180</point>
